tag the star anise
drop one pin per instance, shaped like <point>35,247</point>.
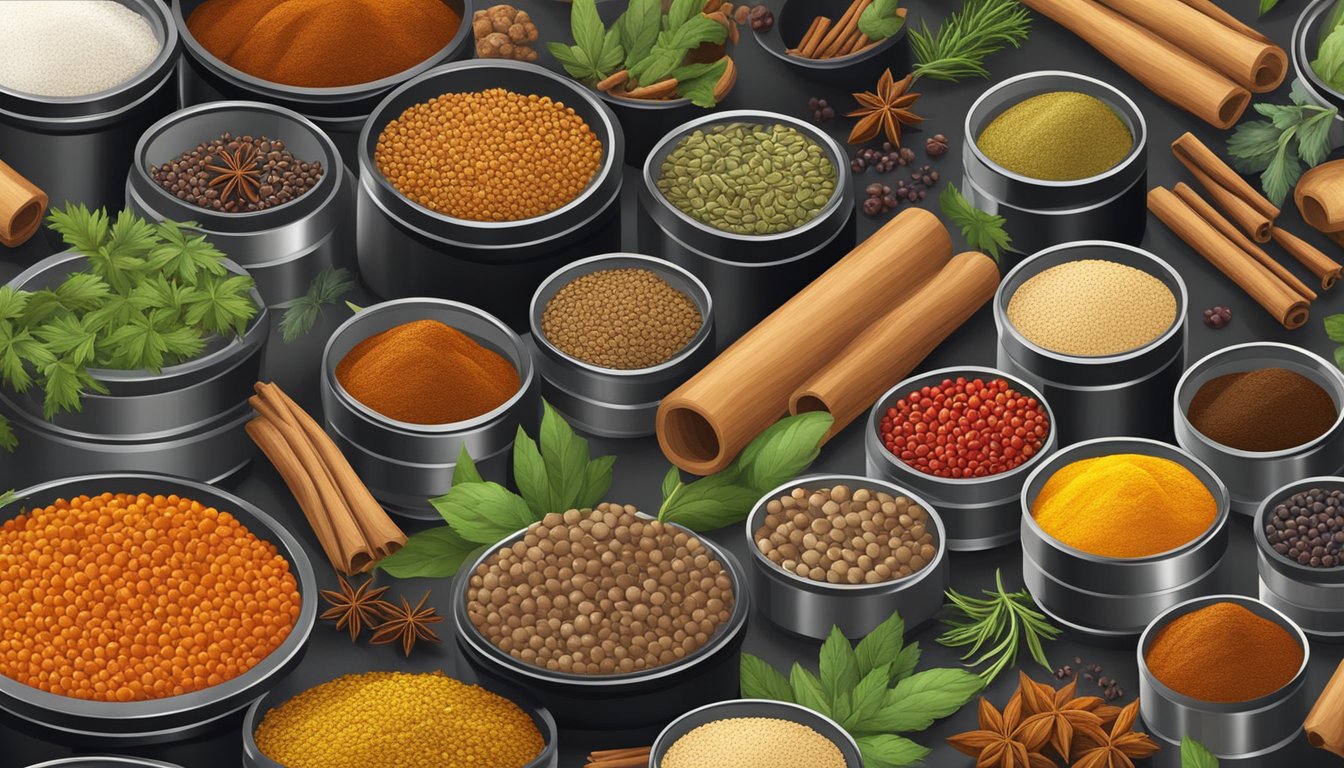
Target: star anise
<point>408,625</point>
<point>1118,749</point>
<point>1067,713</point>
<point>1006,740</point>
<point>353,609</point>
<point>240,174</point>
<point>885,111</point>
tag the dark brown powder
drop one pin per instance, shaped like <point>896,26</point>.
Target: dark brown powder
<point>1270,409</point>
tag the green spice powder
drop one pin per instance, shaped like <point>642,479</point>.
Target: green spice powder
<point>748,179</point>
<point>1057,136</point>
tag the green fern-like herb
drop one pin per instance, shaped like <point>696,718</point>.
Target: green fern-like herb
<point>326,289</point>
<point>958,49</point>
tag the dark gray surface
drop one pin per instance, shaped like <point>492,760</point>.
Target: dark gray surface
<point>764,84</point>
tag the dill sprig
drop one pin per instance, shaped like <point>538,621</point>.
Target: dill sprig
<point>327,288</point>
<point>1000,622</point>
<point>967,37</point>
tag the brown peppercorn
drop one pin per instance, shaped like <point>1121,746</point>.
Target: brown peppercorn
<point>620,318</point>
<point>936,146</point>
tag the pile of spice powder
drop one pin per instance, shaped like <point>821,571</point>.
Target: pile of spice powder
<point>624,319</point>
<point>1057,136</point>
<point>1092,307</point>
<point>965,428</point>
<point>1224,653</point>
<point>323,43</point>
<point>121,597</point>
<point>238,174</point>
<point>1269,409</point>
<point>425,372</point>
<point>1308,528</point>
<point>600,592</point>
<point>399,720</point>
<point>491,155</point>
<point>1124,505</point>
<point>753,742</point>
<point>748,179</point>
<point>71,48</point>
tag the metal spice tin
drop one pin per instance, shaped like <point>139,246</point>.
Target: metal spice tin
<point>776,710</point>
<point>1306,34</point>
<point>793,19</point>
<point>1311,597</point>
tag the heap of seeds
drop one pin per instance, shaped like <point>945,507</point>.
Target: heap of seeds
<point>755,742</point>
<point>237,174</point>
<point>837,536</point>
<point>748,179</point>
<point>70,48</point>
<point>491,155</point>
<point>1308,528</point>
<point>1092,307</point>
<point>620,318</point>
<point>600,592</point>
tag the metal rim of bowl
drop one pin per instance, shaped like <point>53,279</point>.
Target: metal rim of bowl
<point>1302,55</point>
<point>723,634</point>
<point>1002,299</point>
<point>768,40</point>
<point>854,481</point>
<point>652,264</point>
<point>269,530</point>
<point>1140,140</point>
<point>835,154</point>
<point>838,736</point>
<point>104,761</point>
<point>952,372</point>
<point>1189,606</point>
<point>446,71</point>
<point>1209,363</point>
<point>1273,500</point>
<point>525,377</point>
<point>1062,458</point>
<point>194,46</point>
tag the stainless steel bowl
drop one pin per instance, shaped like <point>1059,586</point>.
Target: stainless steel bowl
<point>1252,475</point>
<point>187,420</point>
<point>776,710</point>
<point>1306,34</point>
<point>77,149</point>
<point>979,512</point>
<point>405,464</point>
<point>115,725</point>
<point>1311,597</point>
<point>794,17</point>
<point>103,762</point>
<point>1098,396</point>
<point>1236,731</point>
<point>283,248</point>
<point>749,276</point>
<point>607,401</point>
<point>1117,597</point>
<point>406,249</point>
<point>605,705</point>
<point>810,608</point>
<point>1108,206</point>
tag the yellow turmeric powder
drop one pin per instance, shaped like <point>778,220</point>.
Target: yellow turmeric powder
<point>1124,505</point>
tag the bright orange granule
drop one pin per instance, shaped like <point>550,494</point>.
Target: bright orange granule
<point>126,598</point>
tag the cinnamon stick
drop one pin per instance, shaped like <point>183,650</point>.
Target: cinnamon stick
<point>1215,12</point>
<point>843,28</point>
<point>809,51</point>
<point>1250,209</point>
<point>21,207</point>
<point>1283,304</point>
<point>1324,725</point>
<point>1319,195</point>
<point>1309,256</point>
<point>807,36</point>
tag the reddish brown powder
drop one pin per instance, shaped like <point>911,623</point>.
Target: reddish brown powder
<point>1270,409</point>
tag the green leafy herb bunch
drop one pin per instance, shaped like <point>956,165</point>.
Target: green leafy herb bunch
<point>1292,138</point>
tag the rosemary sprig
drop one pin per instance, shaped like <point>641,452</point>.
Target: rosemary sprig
<point>1001,621</point>
<point>967,37</point>
<point>302,314</point>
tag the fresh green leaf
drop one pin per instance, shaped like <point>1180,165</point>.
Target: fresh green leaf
<point>882,645</point>
<point>673,44</point>
<point>586,27</point>
<point>762,681</point>
<point>982,231</point>
<point>1279,148</point>
<point>327,288</point>
<point>967,37</point>
<point>12,302</point>
<point>83,230</point>
<point>1313,138</point>
<point>710,503</point>
<point>484,513</point>
<point>436,553</point>
<point>639,26</point>
<point>1283,172</point>
<point>926,696</point>
<point>465,471</point>
<point>1267,5</point>
<point>529,474</point>
<point>1196,755</point>
<point>996,623</point>
<point>81,292</point>
<point>596,482</point>
<point>8,442</point>
<point>566,456</point>
<point>839,666</point>
<point>784,450</point>
<point>905,664</point>
<point>1334,328</point>
<point>596,52</point>
<point>1339,357</point>
<point>880,19</point>
<point>1332,21</point>
<point>63,386</point>
<point>1329,61</point>
<point>867,700</point>
<point>698,81</point>
<point>672,480</point>
<point>222,306</point>
<point>807,690</point>
<point>682,11</point>
<point>71,336</point>
<point>1253,145</point>
<point>890,751</point>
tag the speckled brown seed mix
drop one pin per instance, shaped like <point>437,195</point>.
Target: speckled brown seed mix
<point>600,592</point>
<point>620,318</point>
<point>839,536</point>
<point>491,155</point>
<point>238,174</point>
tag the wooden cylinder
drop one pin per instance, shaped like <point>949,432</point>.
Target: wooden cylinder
<point>21,207</point>
<point>1325,723</point>
<point>1319,195</point>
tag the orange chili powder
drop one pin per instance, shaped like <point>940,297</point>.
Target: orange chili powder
<point>1224,653</point>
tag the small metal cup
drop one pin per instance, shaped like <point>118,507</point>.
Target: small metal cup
<point>740,708</point>
<point>1305,44</point>
<point>1311,597</point>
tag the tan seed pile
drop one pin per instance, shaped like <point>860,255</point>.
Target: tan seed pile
<point>492,155</point>
<point>753,742</point>
<point>620,318</point>
<point>600,592</point>
<point>842,537</point>
<point>1092,307</point>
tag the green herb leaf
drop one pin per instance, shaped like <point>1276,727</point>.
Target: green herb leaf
<point>1267,5</point>
<point>682,11</point>
<point>710,503</point>
<point>672,480</point>
<point>905,664</point>
<point>81,292</point>
<point>762,681</point>
<point>566,456</point>
<point>698,81</point>
<point>465,471</point>
<point>1196,755</point>
<point>1253,145</point>
<point>784,450</point>
<point>82,229</point>
<point>1313,138</point>
<point>639,26</point>
<point>1329,61</point>
<point>8,442</point>
<point>529,474</point>
<point>880,20</point>
<point>222,306</point>
<point>596,51</point>
<point>484,513</point>
<point>807,690</point>
<point>967,37</point>
<point>926,696</point>
<point>586,26</point>
<point>982,231</point>
<point>327,288</point>
<point>839,666</point>
<point>12,302</point>
<point>436,553</point>
<point>1278,148</point>
<point>890,751</point>
<point>881,646</point>
<point>1334,328</point>
<point>866,700</point>
<point>1332,21</point>
<point>596,482</point>
<point>1283,171</point>
<point>65,381</point>
<point>999,622</point>
<point>70,336</point>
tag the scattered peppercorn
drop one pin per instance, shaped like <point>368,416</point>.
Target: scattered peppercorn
<point>821,110</point>
<point>504,32</point>
<point>620,318</point>
<point>761,18</point>
<point>1217,317</point>
<point>237,174</point>
<point>882,198</point>
<point>1308,528</point>
<point>1092,673</point>
<point>936,146</point>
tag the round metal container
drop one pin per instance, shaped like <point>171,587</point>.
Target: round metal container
<point>775,710</point>
<point>811,608</point>
<point>103,762</point>
<point>1231,731</point>
<point>979,512</point>
<point>283,248</point>
<point>1252,475</point>
<point>406,464</point>
<point>749,276</point>
<point>792,22</point>
<point>1312,597</point>
<point>1040,214</point>
<point>607,401</point>
<point>1306,42</point>
<point>605,705</point>
<point>117,725</point>
<point>1112,597</point>
<point>288,689</point>
<point>1097,396</point>
<point>185,421</point>
<point>340,112</point>
<point>77,149</point>
<point>406,249</point>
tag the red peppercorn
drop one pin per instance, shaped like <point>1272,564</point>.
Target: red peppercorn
<point>965,428</point>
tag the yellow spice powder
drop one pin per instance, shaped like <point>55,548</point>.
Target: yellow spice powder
<point>1057,136</point>
<point>1092,307</point>
<point>753,742</point>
